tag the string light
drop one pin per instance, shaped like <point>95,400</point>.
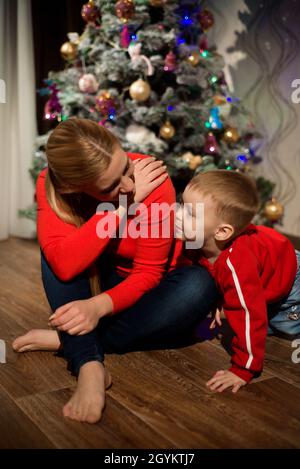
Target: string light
<point>186,21</point>
<point>204,53</point>
<point>242,159</point>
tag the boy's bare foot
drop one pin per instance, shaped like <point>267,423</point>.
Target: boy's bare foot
<point>88,401</point>
<point>37,339</point>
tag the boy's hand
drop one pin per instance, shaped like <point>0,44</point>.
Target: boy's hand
<point>216,319</point>
<point>224,379</point>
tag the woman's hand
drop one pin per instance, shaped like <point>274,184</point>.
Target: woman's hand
<point>82,316</point>
<point>149,173</point>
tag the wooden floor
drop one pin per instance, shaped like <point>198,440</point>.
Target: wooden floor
<point>158,399</point>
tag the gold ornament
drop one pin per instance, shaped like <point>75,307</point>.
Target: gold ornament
<point>167,131</point>
<point>157,3</point>
<point>231,135</point>
<point>188,156</point>
<point>140,90</point>
<point>219,100</point>
<point>273,210</point>
<point>195,162</point>
<point>194,58</point>
<point>68,51</point>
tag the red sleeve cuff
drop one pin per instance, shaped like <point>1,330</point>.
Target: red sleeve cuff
<point>242,373</point>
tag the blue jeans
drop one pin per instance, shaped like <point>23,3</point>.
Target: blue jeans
<point>284,316</point>
<point>163,317</point>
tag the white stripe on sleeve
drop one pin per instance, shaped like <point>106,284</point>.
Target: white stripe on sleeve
<point>242,301</point>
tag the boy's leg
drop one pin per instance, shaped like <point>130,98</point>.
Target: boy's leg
<point>287,318</point>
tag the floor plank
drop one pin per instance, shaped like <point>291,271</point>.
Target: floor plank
<point>119,427</point>
<point>206,420</point>
<point>158,398</point>
<point>34,372</point>
<point>16,429</point>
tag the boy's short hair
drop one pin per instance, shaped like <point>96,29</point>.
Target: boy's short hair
<point>235,195</point>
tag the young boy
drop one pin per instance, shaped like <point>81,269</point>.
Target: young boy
<point>255,268</point>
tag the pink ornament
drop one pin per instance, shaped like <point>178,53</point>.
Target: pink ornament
<point>48,112</point>
<point>88,83</point>
<point>125,37</point>
<point>211,146</point>
<point>170,62</point>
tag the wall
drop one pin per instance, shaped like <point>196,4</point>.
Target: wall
<point>260,41</point>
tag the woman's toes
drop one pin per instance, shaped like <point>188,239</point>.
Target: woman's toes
<point>25,340</point>
<point>93,417</point>
<point>67,410</point>
<point>15,345</point>
<point>26,348</point>
<point>18,344</point>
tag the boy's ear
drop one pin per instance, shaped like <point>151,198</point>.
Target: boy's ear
<point>224,232</point>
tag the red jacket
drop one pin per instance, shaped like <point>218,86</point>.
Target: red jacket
<point>259,267</point>
<point>70,250</point>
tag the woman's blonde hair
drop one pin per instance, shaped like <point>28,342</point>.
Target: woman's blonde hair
<point>78,152</point>
<point>235,195</point>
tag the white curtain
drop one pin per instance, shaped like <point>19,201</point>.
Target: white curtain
<point>17,116</point>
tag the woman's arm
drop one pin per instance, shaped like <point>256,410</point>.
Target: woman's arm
<point>71,250</point>
<point>149,265</point>
<point>152,252</point>
<point>68,249</point>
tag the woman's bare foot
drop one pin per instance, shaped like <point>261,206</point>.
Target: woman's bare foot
<point>37,339</point>
<point>88,401</point>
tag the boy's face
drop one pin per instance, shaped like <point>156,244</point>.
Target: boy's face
<point>188,218</point>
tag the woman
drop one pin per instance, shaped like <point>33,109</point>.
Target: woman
<point>144,301</point>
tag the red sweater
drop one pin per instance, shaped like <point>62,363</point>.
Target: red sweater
<point>259,267</point>
<point>70,250</point>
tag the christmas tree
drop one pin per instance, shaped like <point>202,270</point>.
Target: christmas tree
<point>145,70</point>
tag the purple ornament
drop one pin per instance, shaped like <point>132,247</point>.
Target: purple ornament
<point>53,107</point>
<point>211,146</point>
<point>106,104</point>
<point>90,12</point>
